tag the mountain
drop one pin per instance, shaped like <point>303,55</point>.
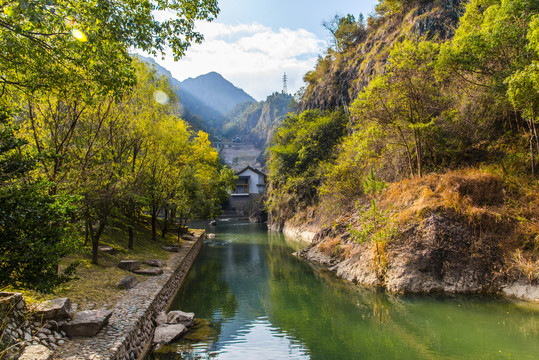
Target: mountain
<point>215,92</point>
<point>213,104</point>
<point>204,100</point>
<point>257,121</point>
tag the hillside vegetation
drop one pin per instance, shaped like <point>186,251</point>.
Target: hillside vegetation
<point>416,151</point>
<point>90,137</point>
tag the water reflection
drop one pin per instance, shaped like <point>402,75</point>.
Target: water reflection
<point>256,301</point>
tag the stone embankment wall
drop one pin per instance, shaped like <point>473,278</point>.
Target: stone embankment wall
<point>132,324</point>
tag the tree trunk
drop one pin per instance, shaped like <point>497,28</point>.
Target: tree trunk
<point>131,241</point>
<point>408,154</point>
<point>95,240</point>
<point>86,232</point>
<point>417,145</point>
<point>165,224</point>
<point>532,155</point>
<point>154,223</point>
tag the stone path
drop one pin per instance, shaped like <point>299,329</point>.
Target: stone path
<point>132,322</point>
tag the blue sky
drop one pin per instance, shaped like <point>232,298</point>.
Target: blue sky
<point>253,42</point>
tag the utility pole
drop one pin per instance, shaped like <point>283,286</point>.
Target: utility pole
<point>285,89</point>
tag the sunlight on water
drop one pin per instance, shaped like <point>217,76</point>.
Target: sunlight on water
<point>254,300</point>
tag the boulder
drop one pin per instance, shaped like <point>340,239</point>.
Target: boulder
<point>151,271</point>
<point>180,317</point>
<point>165,334</point>
<point>155,263</point>
<point>107,249</point>
<point>87,323</point>
<point>171,248</point>
<point>53,309</point>
<point>36,352</point>
<point>129,265</point>
<point>161,318</point>
<point>127,282</point>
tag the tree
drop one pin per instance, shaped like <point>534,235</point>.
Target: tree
<point>407,99</point>
<point>346,31</point>
<point>494,52</point>
<point>34,226</point>
<point>523,89</point>
<point>89,41</point>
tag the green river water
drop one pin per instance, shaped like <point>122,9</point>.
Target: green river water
<point>254,300</point>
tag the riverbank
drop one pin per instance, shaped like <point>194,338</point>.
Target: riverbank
<point>456,233</point>
<point>132,323</point>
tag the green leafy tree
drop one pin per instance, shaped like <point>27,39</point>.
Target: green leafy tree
<point>407,99</point>
<point>34,226</point>
<point>89,41</point>
<point>523,89</point>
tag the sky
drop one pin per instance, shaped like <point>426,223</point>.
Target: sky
<point>252,43</point>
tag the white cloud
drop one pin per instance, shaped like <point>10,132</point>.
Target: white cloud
<point>251,56</point>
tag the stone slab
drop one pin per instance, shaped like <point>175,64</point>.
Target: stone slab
<point>36,352</point>
<point>171,248</point>
<point>128,282</point>
<point>53,309</point>
<point>180,317</point>
<point>155,263</point>
<point>107,249</point>
<point>151,271</point>
<point>87,323</point>
<point>166,334</point>
<point>129,265</point>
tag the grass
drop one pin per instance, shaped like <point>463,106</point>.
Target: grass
<point>97,284</point>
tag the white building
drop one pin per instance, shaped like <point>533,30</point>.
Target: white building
<point>250,182</point>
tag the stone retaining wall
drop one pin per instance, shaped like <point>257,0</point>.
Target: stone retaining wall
<point>132,324</point>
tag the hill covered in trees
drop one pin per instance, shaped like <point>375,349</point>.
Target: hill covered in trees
<point>414,153</point>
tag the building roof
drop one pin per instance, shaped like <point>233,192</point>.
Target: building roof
<point>248,167</point>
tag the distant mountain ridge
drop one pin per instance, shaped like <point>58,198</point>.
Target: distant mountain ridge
<point>213,104</point>
<point>206,99</point>
<point>216,92</point>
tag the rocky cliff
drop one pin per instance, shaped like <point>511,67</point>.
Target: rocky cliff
<point>450,233</point>
<point>340,75</point>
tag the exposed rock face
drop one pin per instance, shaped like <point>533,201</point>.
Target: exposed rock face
<point>129,265</point>
<point>522,291</point>
<point>87,323</point>
<point>165,334</point>
<point>36,352</point>
<point>440,254</point>
<point>127,282</point>
<point>53,309</point>
<point>347,73</point>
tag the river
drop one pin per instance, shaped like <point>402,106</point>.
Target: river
<point>254,300</point>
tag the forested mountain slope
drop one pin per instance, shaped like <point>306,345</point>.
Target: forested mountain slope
<point>414,156</point>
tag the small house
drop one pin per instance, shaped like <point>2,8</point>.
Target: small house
<point>251,183</point>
